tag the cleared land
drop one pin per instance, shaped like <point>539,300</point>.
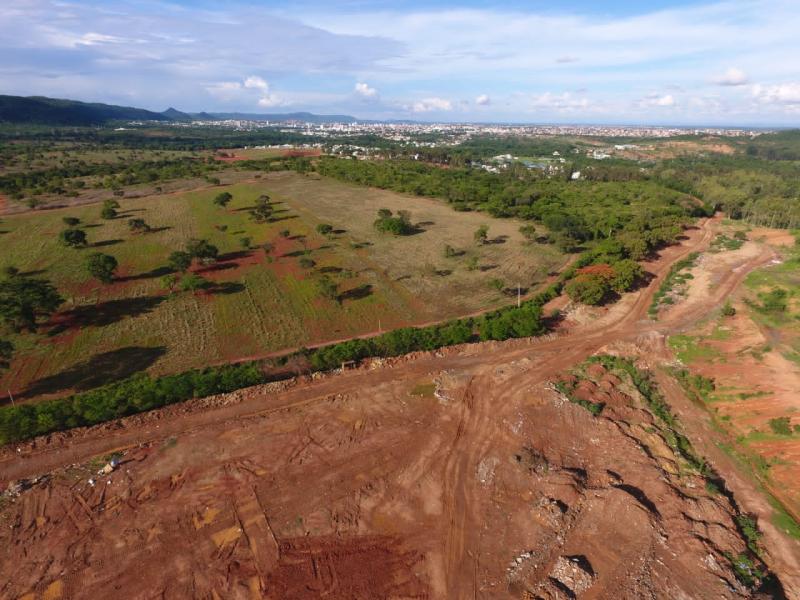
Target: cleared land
<point>431,477</point>
<point>752,358</point>
<point>261,302</point>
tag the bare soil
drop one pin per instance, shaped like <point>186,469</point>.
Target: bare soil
<point>454,474</point>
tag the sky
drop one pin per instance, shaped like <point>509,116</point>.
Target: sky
<point>677,62</point>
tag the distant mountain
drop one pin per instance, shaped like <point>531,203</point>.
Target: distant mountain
<point>173,114</point>
<point>52,111</point>
<point>305,117</point>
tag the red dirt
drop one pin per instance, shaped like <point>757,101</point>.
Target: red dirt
<point>351,486</point>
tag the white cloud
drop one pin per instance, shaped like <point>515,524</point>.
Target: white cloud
<point>564,102</point>
<point>431,104</point>
<point>562,60</point>
<point>271,100</point>
<point>483,100</point>
<point>732,77</point>
<point>255,83</point>
<point>657,100</point>
<point>365,91</point>
<point>784,93</point>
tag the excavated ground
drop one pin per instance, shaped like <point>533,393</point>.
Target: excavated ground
<point>458,474</point>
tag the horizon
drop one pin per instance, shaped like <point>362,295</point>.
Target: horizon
<point>666,63</point>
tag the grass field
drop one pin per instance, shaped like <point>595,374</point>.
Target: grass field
<point>260,303</point>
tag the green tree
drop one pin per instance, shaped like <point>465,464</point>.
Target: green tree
<point>138,226</point>
<point>101,266</point>
<point>626,273</point>
<point>328,288</point>
<point>73,238</point>
<point>168,282</point>
<point>180,261</point>
<point>481,234</point>
<point>245,242</point>
<point>324,229</point>
<point>193,282</point>
<point>222,199</point>
<point>24,300</point>
<point>728,310</point>
<point>588,289</point>
<point>108,213</point>
<point>202,249</point>
<point>262,212</point>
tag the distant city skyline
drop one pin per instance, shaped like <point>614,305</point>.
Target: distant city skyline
<point>657,62</point>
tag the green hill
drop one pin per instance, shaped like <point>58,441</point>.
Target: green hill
<point>52,111</point>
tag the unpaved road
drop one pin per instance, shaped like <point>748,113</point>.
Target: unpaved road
<point>364,485</point>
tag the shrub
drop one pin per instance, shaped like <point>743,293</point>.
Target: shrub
<point>781,426</point>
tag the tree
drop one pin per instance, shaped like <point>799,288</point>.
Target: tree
<point>180,261</point>
<point>728,310</point>
<point>108,213</point>
<point>262,211</point>
<point>449,251</point>
<point>324,229</point>
<point>626,273</point>
<point>588,289</point>
<point>138,226</point>
<point>222,199</point>
<point>306,262</point>
<point>169,282</point>
<point>110,203</point>
<point>10,271</point>
<point>193,282</point>
<point>6,352</point>
<point>328,288</point>
<point>245,242</point>
<point>399,225</point>
<point>71,221</point>
<point>202,250</point>
<point>101,266</point>
<point>73,238</point>
<point>481,234</point>
<point>285,233</point>
<point>24,300</point>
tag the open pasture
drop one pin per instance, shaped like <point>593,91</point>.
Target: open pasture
<point>258,301</point>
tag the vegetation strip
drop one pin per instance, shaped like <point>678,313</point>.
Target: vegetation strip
<point>142,393</point>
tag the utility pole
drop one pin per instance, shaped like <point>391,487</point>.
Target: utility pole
<point>11,396</point>
<point>519,296</point>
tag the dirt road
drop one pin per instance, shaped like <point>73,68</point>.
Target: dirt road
<point>367,484</point>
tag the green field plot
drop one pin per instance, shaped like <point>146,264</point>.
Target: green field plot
<point>258,299</point>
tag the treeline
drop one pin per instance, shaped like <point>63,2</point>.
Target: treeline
<point>644,213</point>
<point>760,192</point>
<point>129,396</point>
<point>61,180</point>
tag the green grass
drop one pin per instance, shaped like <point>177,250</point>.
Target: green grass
<point>268,306</point>
<point>689,349</point>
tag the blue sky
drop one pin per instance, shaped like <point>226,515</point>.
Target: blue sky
<point>654,61</point>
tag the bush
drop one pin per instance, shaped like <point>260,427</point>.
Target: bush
<point>781,426</point>
<point>728,310</point>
